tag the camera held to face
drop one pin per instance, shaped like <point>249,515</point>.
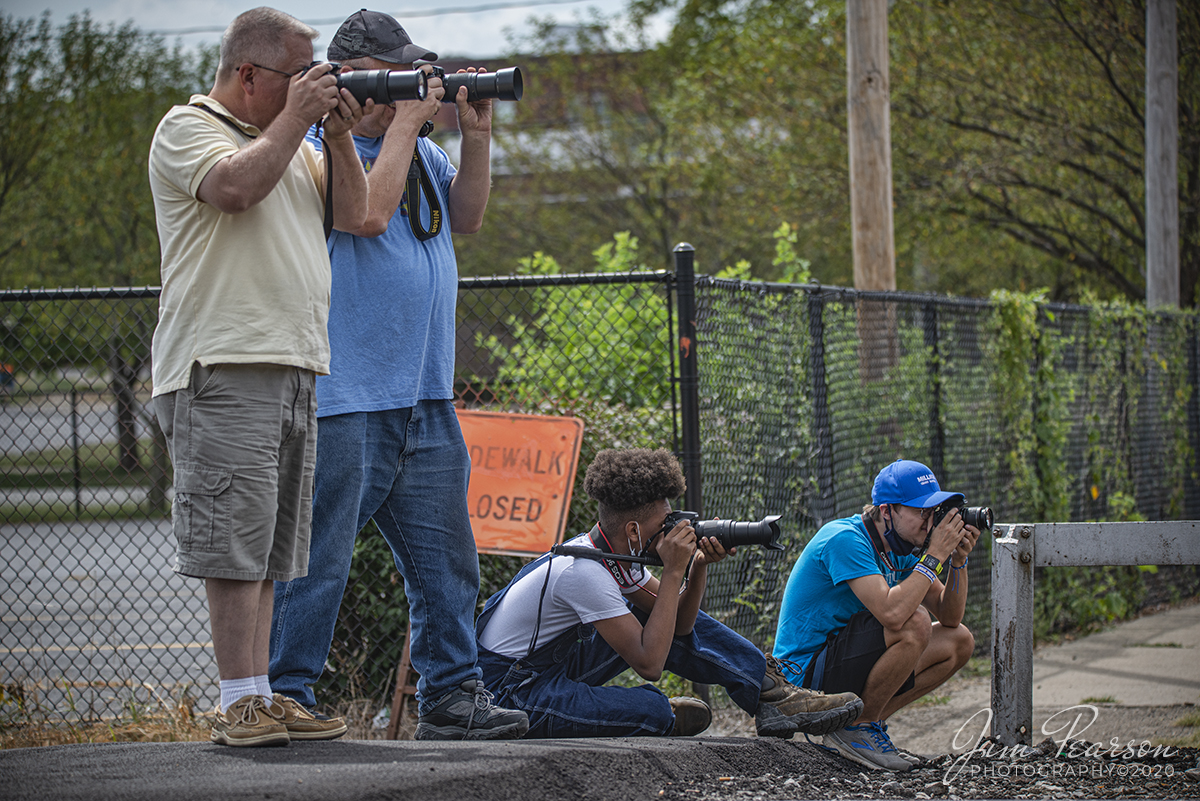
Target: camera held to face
<point>382,86</point>
<point>505,84</point>
<point>731,533</point>
<point>978,516</point>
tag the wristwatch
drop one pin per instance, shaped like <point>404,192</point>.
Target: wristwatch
<point>930,561</point>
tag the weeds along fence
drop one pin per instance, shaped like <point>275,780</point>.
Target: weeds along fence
<point>780,399</point>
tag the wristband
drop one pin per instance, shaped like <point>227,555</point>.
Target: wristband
<point>931,562</point>
<point>924,571</point>
<point>963,565</point>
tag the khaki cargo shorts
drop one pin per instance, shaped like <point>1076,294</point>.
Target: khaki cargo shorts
<point>243,441</point>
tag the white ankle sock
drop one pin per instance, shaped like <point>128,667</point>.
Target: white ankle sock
<point>262,685</point>
<point>234,690</point>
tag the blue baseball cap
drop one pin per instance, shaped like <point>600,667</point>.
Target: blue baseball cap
<point>911,484</point>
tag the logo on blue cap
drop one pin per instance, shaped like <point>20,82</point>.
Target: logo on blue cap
<point>909,483</point>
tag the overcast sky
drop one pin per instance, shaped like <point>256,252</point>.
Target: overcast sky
<point>477,28</point>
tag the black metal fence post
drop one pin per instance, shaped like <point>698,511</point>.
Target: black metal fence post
<point>689,375</point>
<point>824,507</point>
<point>937,434</point>
<point>76,477</point>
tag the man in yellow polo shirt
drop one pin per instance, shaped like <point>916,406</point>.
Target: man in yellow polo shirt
<point>239,199</point>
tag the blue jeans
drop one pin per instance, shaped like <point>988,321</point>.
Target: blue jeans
<point>408,470</point>
<point>565,698</point>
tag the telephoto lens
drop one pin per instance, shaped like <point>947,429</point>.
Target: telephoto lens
<point>384,86</point>
<point>505,84</point>
<point>732,533</point>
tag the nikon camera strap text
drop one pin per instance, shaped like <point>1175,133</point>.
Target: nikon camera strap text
<point>419,184</point>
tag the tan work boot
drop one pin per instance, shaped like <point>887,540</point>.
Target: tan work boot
<point>304,725</point>
<point>785,709</point>
<point>692,716</point>
<point>249,721</point>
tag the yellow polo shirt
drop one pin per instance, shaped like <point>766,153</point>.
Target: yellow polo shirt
<point>236,288</point>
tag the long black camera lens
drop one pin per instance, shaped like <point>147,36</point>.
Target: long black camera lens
<point>978,516</point>
<point>732,533</point>
<point>505,84</point>
<point>384,86</point>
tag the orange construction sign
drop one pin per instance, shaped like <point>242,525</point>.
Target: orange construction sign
<point>522,474</point>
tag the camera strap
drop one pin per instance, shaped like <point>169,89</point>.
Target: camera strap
<point>877,541</point>
<point>618,565</point>
<point>420,183</point>
<point>328,164</point>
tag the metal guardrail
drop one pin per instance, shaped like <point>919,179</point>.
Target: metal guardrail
<point>1016,551</point>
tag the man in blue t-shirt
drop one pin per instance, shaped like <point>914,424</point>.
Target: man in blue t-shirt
<point>851,618</point>
<point>389,447</point>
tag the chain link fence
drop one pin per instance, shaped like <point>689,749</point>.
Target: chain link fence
<point>804,392</point>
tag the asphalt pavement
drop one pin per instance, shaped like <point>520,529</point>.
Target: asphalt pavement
<point>1142,665</point>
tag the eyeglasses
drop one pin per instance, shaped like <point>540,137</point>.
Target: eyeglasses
<point>924,513</point>
<point>286,74</point>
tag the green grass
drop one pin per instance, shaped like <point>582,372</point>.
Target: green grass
<point>1103,699</point>
<point>59,512</point>
<point>99,466</point>
<point>1190,738</point>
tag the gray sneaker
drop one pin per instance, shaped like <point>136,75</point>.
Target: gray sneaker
<point>470,713</point>
<point>913,759</point>
<point>867,744</point>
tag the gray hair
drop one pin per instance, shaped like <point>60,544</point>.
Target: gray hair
<point>259,34</point>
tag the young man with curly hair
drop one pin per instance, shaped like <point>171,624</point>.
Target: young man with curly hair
<point>567,625</point>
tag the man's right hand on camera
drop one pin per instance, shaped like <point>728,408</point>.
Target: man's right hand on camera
<point>410,115</point>
<point>946,536</point>
<point>313,94</point>
<point>676,547</point>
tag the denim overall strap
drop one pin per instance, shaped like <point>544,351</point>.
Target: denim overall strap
<point>489,607</point>
<point>504,674</point>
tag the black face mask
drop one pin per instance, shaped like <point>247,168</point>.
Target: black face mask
<point>899,546</point>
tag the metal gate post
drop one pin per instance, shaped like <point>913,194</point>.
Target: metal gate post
<point>689,376</point>
<point>1012,635</point>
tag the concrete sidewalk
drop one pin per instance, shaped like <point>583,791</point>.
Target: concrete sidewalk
<point>1140,676</point>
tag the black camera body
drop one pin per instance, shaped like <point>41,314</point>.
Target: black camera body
<point>505,84</point>
<point>978,516</point>
<point>731,533</point>
<point>382,86</point>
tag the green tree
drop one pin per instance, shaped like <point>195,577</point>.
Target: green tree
<point>1026,118</point>
<point>80,105</point>
<point>1016,134</point>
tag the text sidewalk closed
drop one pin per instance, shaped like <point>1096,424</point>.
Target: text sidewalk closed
<point>522,474</point>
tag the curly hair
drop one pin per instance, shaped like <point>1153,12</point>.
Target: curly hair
<point>628,479</point>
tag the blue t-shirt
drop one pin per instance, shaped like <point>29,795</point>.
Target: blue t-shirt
<point>391,309</point>
<point>817,600</point>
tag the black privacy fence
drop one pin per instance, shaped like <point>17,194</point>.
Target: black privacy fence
<point>779,399</point>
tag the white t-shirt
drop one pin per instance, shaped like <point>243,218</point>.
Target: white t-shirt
<point>580,591</point>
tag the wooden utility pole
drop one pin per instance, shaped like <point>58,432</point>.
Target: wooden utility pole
<point>870,137</point>
<point>870,144</point>
<point>1162,156</point>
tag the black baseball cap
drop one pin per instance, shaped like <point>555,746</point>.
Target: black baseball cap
<point>374,34</point>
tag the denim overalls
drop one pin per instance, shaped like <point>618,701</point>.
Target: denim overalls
<point>559,685</point>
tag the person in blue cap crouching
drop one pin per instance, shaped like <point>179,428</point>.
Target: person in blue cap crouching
<point>852,618</point>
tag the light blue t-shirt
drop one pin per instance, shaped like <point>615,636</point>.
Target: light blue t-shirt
<point>391,310</point>
<point>817,600</point>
